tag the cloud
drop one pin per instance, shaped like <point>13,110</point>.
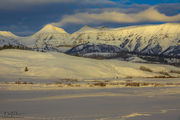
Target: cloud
<point>134,8</point>
<point>148,15</point>
<point>18,4</point>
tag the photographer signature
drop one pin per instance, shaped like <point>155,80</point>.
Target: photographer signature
<point>11,114</point>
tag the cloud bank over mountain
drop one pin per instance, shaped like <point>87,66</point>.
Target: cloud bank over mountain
<point>25,17</point>
<point>148,15</point>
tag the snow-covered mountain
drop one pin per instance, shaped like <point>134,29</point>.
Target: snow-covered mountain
<point>150,39</point>
<point>48,38</point>
<point>8,38</point>
<point>50,29</point>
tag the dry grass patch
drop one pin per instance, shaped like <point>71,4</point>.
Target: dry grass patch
<point>145,84</point>
<point>162,76</point>
<point>128,77</point>
<point>18,82</point>
<point>31,83</point>
<point>68,80</point>
<point>58,83</point>
<point>24,82</point>
<point>101,84</point>
<point>175,71</point>
<point>133,84</point>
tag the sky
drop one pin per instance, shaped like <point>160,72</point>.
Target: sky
<point>25,17</point>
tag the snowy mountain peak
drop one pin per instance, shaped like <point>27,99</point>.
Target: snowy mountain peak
<point>7,34</point>
<point>87,28</point>
<point>51,29</point>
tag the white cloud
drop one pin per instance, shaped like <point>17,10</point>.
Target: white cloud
<point>148,15</point>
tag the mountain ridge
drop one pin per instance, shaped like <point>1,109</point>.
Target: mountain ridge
<point>147,39</point>
<point>96,28</point>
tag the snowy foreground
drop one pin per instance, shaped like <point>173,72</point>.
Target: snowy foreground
<point>161,103</point>
<point>62,87</point>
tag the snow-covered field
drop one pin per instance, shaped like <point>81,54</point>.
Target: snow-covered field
<point>55,65</point>
<point>161,103</point>
<point>56,86</point>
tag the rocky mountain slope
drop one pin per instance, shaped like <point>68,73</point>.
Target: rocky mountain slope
<point>151,39</point>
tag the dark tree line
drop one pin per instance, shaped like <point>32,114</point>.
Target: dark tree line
<point>9,46</point>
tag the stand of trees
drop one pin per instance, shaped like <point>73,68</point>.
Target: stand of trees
<point>14,47</point>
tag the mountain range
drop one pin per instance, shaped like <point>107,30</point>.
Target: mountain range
<point>163,39</point>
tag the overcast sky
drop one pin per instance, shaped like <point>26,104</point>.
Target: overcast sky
<point>25,17</point>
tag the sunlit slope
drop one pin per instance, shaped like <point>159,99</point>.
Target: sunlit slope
<point>58,65</point>
<point>48,38</point>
